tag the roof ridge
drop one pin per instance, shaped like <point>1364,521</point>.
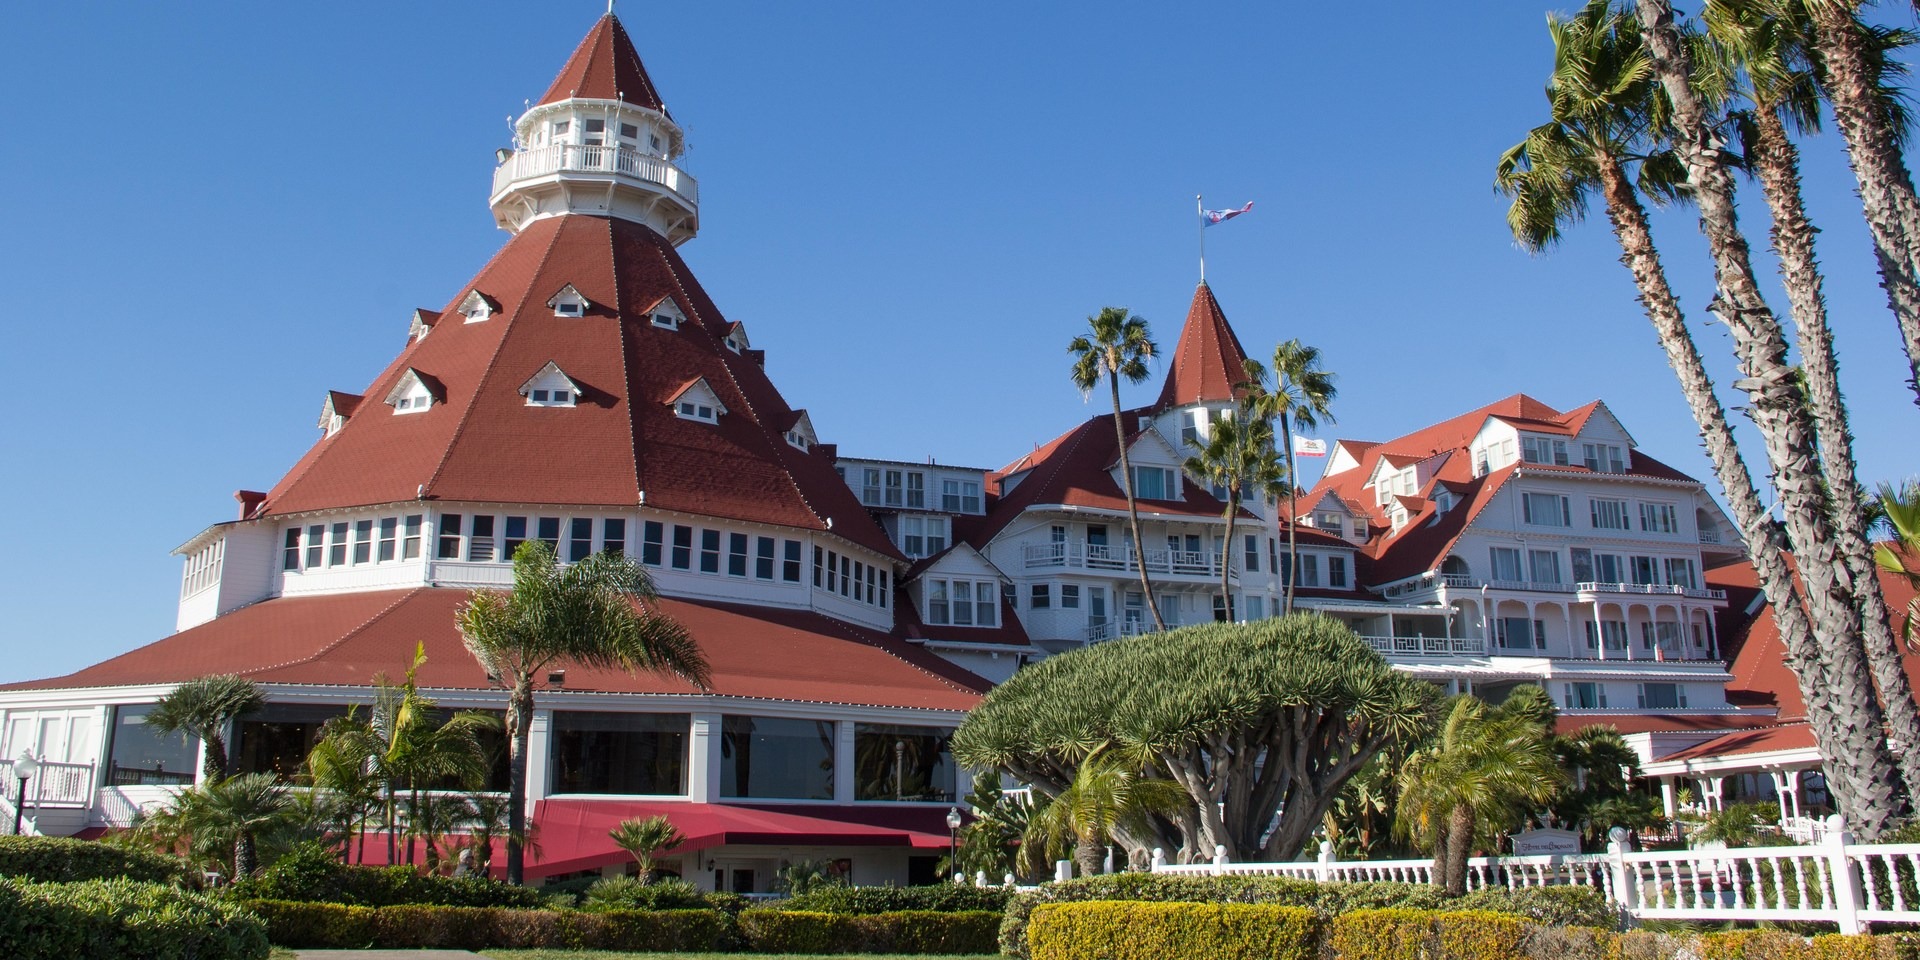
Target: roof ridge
<point>343,638</point>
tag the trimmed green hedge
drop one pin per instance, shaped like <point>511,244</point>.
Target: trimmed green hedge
<point>942,897</point>
<point>902,931</point>
<point>1577,906</point>
<point>66,860</point>
<point>337,926</point>
<point>124,918</point>
<point>313,874</point>
<point>1153,931</point>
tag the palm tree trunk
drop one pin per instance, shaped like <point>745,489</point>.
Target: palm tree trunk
<point>214,766</point>
<point>1090,853</point>
<point>1459,848</point>
<point>1226,551</point>
<point>519,713</point>
<point>1776,164</point>
<point>245,856</point>
<point>1839,697</point>
<point>1293,538</point>
<point>1441,848</point>
<point>1887,196</point>
<point>1133,512</point>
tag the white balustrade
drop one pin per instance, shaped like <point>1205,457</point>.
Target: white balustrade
<point>56,784</point>
<point>592,158</point>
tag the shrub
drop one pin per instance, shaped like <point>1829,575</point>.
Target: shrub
<point>1572,943</point>
<point>1547,906</point>
<point>313,874</point>
<point>1834,946</point>
<point>1652,945</point>
<point>902,931</point>
<point>66,860</point>
<point>628,893</point>
<point>124,918</point>
<point>416,927</point>
<point>1151,931</point>
<point>1388,934</point>
<point>1478,935</point>
<point>1753,945</point>
<point>943,897</point>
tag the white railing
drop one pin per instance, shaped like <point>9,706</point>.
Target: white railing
<point>1832,881</point>
<point>1427,646</point>
<point>589,158</point>
<point>1650,589</point>
<point>56,784</point>
<point>1106,556</point>
<point>1709,536</point>
<point>1433,582</point>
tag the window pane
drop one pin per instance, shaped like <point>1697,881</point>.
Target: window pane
<point>736,554</point>
<point>389,533</point>
<point>642,753</point>
<point>776,758</point>
<point>140,755</point>
<point>580,539</point>
<point>763,558</point>
<point>613,536</point>
<point>709,551</point>
<point>895,762</point>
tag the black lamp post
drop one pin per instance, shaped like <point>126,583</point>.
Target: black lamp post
<point>24,768</point>
<point>953,841</point>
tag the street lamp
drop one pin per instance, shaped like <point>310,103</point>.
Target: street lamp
<point>24,768</point>
<point>953,842</point>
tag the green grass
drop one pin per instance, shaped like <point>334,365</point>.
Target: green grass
<point>617,955</point>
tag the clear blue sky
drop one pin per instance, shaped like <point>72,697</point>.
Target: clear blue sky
<point>217,211</point>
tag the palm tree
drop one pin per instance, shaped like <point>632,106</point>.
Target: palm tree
<point>1854,72</point>
<point>1120,347</point>
<point>1604,114</point>
<point>1302,396</point>
<point>1901,509</point>
<point>338,765</point>
<point>1600,770</point>
<point>203,708</point>
<point>645,837</point>
<point>590,613</point>
<point>1487,768</point>
<point>489,817</point>
<point>237,814</point>
<point>1768,61</point>
<point>1238,455</point>
<point>1108,793</point>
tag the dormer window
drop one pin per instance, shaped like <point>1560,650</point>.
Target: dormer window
<point>800,436</point>
<point>423,321</point>
<point>737,338</point>
<point>477,306</point>
<point>569,303</point>
<point>550,388</point>
<point>414,392</point>
<point>335,410</point>
<point>697,401</point>
<point>666,314</point>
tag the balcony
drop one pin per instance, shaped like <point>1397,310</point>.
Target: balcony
<point>618,161</point>
<point>1589,588</point>
<point>1431,583</point>
<point>1427,646</point>
<point>55,785</point>
<point>1120,559</point>
<point>1709,536</point>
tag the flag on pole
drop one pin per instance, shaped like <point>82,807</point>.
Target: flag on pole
<point>1309,447</point>
<point>1210,217</point>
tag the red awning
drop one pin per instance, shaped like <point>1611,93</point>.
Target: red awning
<point>572,834</point>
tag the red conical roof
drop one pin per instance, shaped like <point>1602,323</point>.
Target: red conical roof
<point>481,441</point>
<point>605,67</point>
<point>1208,362</point>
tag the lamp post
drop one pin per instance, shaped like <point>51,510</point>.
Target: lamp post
<point>953,842</point>
<point>24,768</point>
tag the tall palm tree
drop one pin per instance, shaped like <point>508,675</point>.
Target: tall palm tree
<point>1301,396</point>
<point>340,766</point>
<point>203,708</point>
<point>1766,57</point>
<point>1238,455</point>
<point>592,613</point>
<point>1119,347</point>
<point>1855,69</point>
<point>1605,111</point>
<point>1487,768</point>
<point>645,837</point>
<point>1108,793</point>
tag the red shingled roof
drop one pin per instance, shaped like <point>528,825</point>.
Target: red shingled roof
<point>346,639</point>
<point>484,443</point>
<point>1771,739</point>
<point>605,67</point>
<point>1208,362</point>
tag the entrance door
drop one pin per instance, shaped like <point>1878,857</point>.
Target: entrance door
<point>735,876</point>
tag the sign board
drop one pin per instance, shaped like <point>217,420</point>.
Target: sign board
<point>1545,841</point>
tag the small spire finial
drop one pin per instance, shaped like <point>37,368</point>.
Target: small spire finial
<point>609,8</point>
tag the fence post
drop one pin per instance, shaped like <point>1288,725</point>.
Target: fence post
<point>1219,855</point>
<point>1063,870</point>
<point>1323,869</point>
<point>980,878</point>
<point>1009,881</point>
<point>1848,893</point>
<point>1626,885</point>
<point>1159,860</point>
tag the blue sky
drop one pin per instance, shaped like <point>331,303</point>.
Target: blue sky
<point>218,211</point>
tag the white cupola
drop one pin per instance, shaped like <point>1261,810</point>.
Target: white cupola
<point>599,142</point>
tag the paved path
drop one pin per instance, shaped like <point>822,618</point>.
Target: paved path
<point>386,955</point>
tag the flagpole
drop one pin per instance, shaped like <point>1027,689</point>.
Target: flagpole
<point>1200,223</point>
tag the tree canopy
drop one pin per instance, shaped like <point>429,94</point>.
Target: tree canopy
<point>1248,719</point>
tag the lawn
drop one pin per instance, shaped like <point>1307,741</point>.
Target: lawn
<point>617,955</point>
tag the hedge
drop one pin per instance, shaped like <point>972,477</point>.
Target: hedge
<point>1579,906</point>
<point>66,860</point>
<point>124,918</point>
<point>312,873</point>
<point>902,931</point>
<point>942,897</point>
<point>1153,931</point>
<point>342,927</point>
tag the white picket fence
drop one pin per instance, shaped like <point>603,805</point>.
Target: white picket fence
<point>1834,880</point>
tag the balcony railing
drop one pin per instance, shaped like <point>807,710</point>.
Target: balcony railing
<point>1651,589</point>
<point>1427,646</point>
<point>1433,582</point>
<point>56,784</point>
<point>1709,536</point>
<point>591,158</point>
<point>1103,556</point>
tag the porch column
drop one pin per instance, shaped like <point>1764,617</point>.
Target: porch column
<point>1779,778</point>
<point>1668,806</point>
<point>703,759</point>
<point>1792,778</point>
<point>843,762</point>
<point>539,748</point>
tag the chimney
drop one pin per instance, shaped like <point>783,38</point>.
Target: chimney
<point>250,500</point>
